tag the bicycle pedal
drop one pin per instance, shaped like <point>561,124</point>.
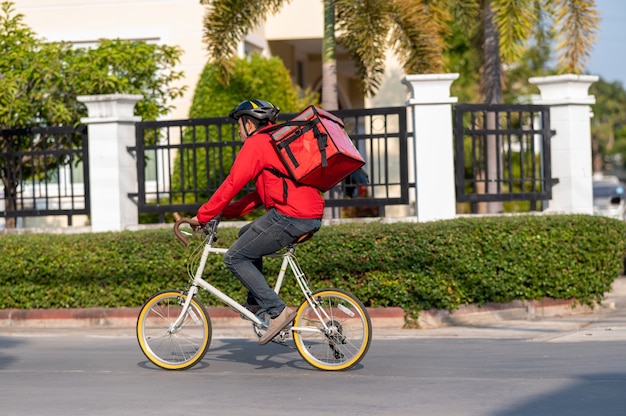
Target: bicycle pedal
<point>281,337</point>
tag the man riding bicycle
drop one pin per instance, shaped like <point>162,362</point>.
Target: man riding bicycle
<point>292,210</point>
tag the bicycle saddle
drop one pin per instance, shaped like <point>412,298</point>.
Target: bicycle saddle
<point>304,237</point>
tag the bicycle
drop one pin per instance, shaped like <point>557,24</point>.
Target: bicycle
<point>331,330</point>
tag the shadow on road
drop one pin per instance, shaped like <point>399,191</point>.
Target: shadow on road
<point>592,394</point>
<point>8,343</point>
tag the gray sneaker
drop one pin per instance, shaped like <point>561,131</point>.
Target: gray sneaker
<point>276,324</point>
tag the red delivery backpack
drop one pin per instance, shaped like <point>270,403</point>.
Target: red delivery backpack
<point>315,149</point>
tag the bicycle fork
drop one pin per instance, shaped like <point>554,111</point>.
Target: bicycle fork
<point>193,290</point>
<point>177,324</point>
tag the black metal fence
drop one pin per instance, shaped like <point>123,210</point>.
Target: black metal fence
<point>502,153</point>
<point>45,171</point>
<point>181,163</point>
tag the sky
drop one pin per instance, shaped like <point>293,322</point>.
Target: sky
<point>608,59</point>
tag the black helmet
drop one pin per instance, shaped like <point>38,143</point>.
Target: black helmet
<point>259,109</point>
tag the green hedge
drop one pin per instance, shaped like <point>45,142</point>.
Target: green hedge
<point>417,266</point>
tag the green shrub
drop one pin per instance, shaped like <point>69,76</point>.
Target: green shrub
<point>417,266</point>
<point>254,77</point>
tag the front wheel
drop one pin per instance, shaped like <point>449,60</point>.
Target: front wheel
<point>335,333</point>
<point>169,347</point>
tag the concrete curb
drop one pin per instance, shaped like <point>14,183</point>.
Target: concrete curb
<point>391,318</point>
<point>500,312</point>
<point>126,318</point>
<point>224,317</point>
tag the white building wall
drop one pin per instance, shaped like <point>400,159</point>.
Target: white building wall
<point>300,19</point>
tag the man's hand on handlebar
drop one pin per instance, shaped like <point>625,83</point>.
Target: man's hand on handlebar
<point>197,226</point>
<point>200,225</point>
<point>217,218</point>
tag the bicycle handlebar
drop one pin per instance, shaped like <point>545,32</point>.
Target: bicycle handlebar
<point>183,220</point>
<point>210,228</point>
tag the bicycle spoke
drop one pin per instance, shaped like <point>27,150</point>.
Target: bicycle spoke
<point>344,331</point>
<point>169,349</point>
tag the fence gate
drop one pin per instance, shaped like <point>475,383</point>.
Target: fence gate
<point>502,153</point>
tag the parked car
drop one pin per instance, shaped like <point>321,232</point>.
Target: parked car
<point>609,199</point>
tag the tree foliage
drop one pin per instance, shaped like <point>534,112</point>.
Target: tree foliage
<point>574,24</point>
<point>410,28</point>
<point>608,126</point>
<point>367,29</point>
<point>253,77</point>
<point>418,31</point>
<point>227,22</point>
<point>525,31</point>
<point>464,57</point>
<point>40,80</point>
<point>130,67</point>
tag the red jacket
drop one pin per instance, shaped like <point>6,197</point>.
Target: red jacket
<point>256,155</point>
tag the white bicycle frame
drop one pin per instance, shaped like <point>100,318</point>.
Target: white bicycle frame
<point>288,260</point>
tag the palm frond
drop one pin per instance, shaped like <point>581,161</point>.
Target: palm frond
<point>465,14</point>
<point>578,23</point>
<point>417,36</point>
<point>515,20</point>
<point>362,28</point>
<point>226,22</point>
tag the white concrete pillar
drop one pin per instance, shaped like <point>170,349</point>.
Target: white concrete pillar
<point>434,149</point>
<point>112,170</point>
<point>570,113</point>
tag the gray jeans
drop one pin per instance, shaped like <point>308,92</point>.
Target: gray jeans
<point>265,235</point>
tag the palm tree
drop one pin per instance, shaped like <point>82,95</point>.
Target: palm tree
<point>507,27</point>
<point>329,58</point>
<point>415,31</point>
<point>367,29</point>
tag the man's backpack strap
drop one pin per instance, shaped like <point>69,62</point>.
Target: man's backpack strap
<point>283,176</point>
<point>322,138</point>
<point>284,144</point>
<point>322,143</point>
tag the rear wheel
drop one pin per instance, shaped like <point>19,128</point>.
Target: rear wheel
<point>168,347</point>
<point>336,333</point>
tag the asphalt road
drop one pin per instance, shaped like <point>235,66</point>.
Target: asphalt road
<point>557,365</point>
<point>106,374</point>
